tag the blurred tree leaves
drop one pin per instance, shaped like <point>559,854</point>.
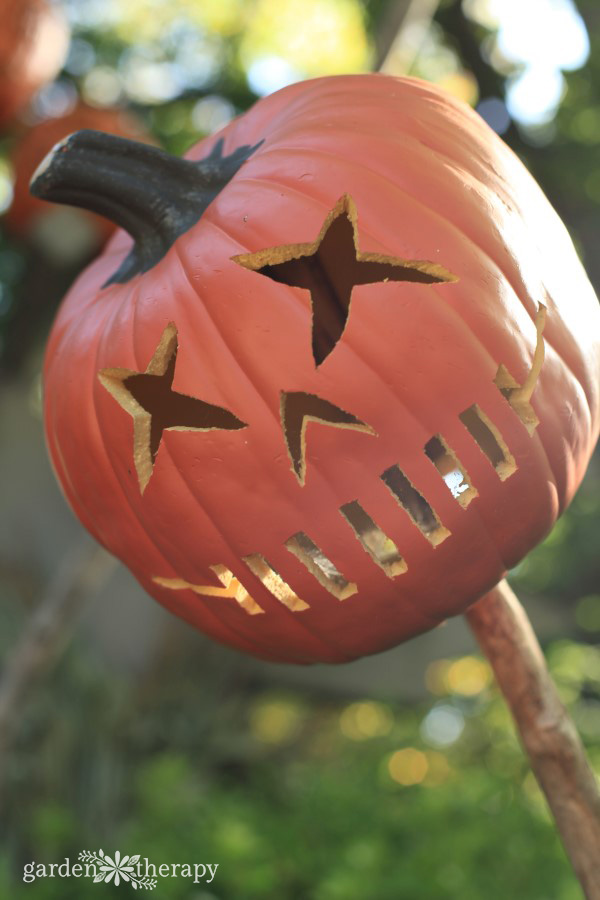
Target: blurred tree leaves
<point>286,792</point>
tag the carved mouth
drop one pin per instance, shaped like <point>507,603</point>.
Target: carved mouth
<point>372,539</point>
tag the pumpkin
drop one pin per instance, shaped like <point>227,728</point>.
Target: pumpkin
<point>34,40</point>
<point>29,217</point>
<point>341,374</point>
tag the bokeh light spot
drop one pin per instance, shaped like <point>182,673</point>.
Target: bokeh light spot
<point>468,676</point>
<point>436,677</point>
<point>462,85</point>
<point>212,113</point>
<point>534,95</point>
<point>102,86</point>
<point>275,721</point>
<point>587,611</point>
<point>442,726</point>
<point>361,721</point>
<point>56,99</point>
<point>6,185</point>
<point>314,37</point>
<point>271,73</point>
<point>408,766</point>
<point>537,41</point>
<point>81,58</point>
<point>495,113</point>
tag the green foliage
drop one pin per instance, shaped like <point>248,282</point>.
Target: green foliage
<point>293,796</point>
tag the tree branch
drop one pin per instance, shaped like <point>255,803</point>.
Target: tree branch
<point>401,33</point>
<point>81,573</point>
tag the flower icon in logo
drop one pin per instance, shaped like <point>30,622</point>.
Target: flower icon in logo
<point>107,869</point>
<point>118,868</point>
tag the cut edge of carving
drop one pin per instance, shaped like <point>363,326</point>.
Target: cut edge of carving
<point>232,588</point>
<point>320,567</point>
<point>114,381</point>
<point>298,460</point>
<point>274,583</point>
<point>418,509</point>
<point>519,395</point>
<point>489,440</point>
<point>344,206</point>
<point>373,540</point>
<point>469,492</point>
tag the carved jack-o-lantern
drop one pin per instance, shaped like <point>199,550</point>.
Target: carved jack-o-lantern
<point>345,376</point>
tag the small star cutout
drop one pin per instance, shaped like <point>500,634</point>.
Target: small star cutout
<point>297,411</point>
<point>155,407</point>
<point>331,267</point>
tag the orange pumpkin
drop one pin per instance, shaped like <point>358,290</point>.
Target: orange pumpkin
<point>34,39</point>
<point>343,374</point>
<point>30,218</point>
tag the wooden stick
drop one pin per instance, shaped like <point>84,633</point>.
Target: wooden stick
<point>547,732</point>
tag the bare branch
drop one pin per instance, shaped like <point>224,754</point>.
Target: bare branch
<point>401,33</point>
<point>81,573</point>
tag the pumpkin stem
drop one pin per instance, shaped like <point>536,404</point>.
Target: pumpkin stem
<point>154,196</point>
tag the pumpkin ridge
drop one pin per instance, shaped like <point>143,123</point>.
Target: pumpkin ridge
<point>403,597</point>
<point>410,411</point>
<point>468,236</point>
<point>236,359</point>
<point>151,537</point>
<point>460,169</point>
<point>486,252</point>
<point>278,609</point>
<point>536,441</point>
<point>274,414</point>
<point>258,645</point>
<point>100,346</point>
<point>473,337</point>
<point>198,499</point>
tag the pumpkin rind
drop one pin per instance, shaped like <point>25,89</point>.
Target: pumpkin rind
<point>429,181</point>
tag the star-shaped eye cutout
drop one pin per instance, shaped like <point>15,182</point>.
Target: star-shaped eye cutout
<point>149,399</point>
<point>331,266</point>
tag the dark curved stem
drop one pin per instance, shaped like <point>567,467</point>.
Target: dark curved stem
<point>154,196</point>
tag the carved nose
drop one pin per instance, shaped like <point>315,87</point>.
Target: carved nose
<point>297,410</point>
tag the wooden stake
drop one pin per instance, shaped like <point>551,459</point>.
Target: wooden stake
<point>547,732</point>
